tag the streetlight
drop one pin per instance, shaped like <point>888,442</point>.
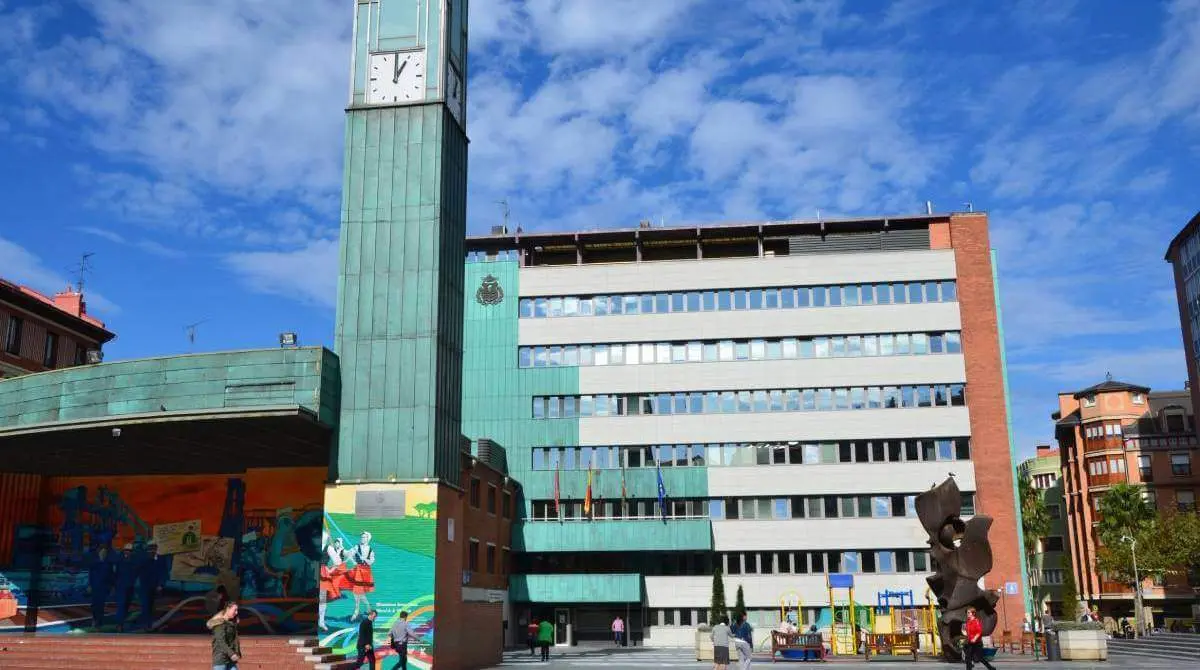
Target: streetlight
<point>1137,587</point>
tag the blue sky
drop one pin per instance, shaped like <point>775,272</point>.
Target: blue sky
<point>195,146</point>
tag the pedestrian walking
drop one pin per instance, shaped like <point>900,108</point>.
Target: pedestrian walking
<point>618,630</point>
<point>152,573</point>
<point>126,576</point>
<point>721,636</point>
<point>399,637</point>
<point>545,638</point>
<point>974,644</point>
<point>743,639</point>
<point>366,640</point>
<point>532,635</point>
<point>226,650</point>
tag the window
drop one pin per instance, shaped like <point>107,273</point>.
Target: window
<point>475,492</point>
<point>12,339</point>
<point>1052,543</point>
<point>80,354</point>
<point>491,559</point>
<point>1145,468</point>
<point>50,355</point>
<point>1181,465</point>
<point>1052,577</point>
<point>1089,401</point>
<point>473,555</point>
<point>1175,422</point>
<point>1054,511</point>
<point>1185,500</point>
<point>1139,399</point>
<point>506,507</point>
<point>491,499</point>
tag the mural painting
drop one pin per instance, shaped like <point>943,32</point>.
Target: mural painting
<point>379,554</point>
<point>140,553</point>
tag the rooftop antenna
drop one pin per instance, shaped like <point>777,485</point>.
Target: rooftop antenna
<point>82,269</point>
<point>190,329</point>
<point>929,207</point>
<point>503,202</point>
<point>970,207</point>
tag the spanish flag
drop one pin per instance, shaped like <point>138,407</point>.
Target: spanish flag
<point>587,496</point>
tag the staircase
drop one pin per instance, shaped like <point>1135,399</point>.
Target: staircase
<point>1174,646</point>
<point>159,652</point>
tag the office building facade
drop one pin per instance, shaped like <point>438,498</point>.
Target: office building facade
<point>1183,253</point>
<point>792,386</point>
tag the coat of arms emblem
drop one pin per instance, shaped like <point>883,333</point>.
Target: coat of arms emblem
<point>489,292</point>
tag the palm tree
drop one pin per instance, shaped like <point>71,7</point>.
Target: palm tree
<point>1035,524</point>
<point>1124,512</point>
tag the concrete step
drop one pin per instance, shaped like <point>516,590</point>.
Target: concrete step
<point>1190,657</point>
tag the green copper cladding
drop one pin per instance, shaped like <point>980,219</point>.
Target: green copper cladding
<point>576,588</point>
<point>400,286</point>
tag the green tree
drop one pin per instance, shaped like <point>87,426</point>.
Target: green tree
<point>1070,593</point>
<point>1166,545</point>
<point>1035,524</point>
<point>739,606</point>
<point>718,608</point>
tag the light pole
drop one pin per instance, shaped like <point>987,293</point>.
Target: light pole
<point>1137,587</point>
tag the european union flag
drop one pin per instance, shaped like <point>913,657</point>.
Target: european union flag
<point>662,494</point>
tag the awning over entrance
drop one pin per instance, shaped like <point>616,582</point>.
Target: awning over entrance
<point>195,414</point>
<point>548,589</point>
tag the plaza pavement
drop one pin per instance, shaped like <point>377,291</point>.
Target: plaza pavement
<point>584,658</point>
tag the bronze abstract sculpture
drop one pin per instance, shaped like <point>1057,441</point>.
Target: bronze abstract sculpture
<point>961,557</point>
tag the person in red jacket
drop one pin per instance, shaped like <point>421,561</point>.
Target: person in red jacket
<point>973,647</point>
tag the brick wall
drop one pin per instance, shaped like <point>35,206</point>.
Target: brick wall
<point>939,235</point>
<point>986,403</point>
<point>490,528</point>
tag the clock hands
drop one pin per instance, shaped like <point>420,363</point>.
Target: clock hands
<point>399,71</point>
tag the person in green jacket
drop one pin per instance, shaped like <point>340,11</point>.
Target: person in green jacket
<point>545,638</point>
<point>226,651</point>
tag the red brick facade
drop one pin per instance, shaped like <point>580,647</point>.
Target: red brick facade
<point>968,236</point>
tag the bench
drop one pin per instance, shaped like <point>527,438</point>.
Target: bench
<point>892,644</point>
<point>789,644</point>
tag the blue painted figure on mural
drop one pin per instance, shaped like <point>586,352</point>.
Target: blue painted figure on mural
<point>100,581</point>
<point>152,574</point>
<point>302,568</point>
<point>126,574</point>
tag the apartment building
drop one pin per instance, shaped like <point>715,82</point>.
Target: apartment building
<point>1114,433</point>
<point>45,333</point>
<point>1046,569</point>
<point>764,399</point>
<point>1183,253</point>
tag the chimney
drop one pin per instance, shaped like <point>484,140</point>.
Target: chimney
<point>71,302</point>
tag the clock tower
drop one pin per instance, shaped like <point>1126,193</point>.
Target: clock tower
<point>403,223</point>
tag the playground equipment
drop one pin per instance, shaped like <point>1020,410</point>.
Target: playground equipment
<point>895,626</point>
<point>847,617</point>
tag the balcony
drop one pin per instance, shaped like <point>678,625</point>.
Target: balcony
<point>625,588</point>
<point>1107,443</point>
<point>1105,480</point>
<point>614,535</point>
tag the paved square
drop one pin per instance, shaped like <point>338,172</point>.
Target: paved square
<point>629,659</point>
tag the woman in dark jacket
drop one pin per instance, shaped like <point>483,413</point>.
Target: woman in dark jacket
<point>226,652</point>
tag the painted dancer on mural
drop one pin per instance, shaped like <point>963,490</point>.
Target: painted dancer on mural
<point>361,577</point>
<point>333,577</point>
<point>100,581</point>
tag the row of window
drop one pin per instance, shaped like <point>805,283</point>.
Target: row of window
<point>674,564</point>
<point>730,402</point>
<point>474,490</point>
<point>734,454</point>
<point>718,509</point>
<point>14,334</point>
<point>490,564</point>
<point>647,353</point>
<point>1044,481</point>
<point>758,617</point>
<point>1097,431</point>
<point>740,299</point>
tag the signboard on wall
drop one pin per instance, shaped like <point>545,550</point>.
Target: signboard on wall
<point>379,504</point>
<point>177,538</point>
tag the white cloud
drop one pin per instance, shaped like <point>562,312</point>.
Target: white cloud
<point>148,246</point>
<point>308,274</point>
<point>21,266</point>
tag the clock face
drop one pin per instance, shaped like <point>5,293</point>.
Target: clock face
<point>455,94</point>
<point>396,78</point>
